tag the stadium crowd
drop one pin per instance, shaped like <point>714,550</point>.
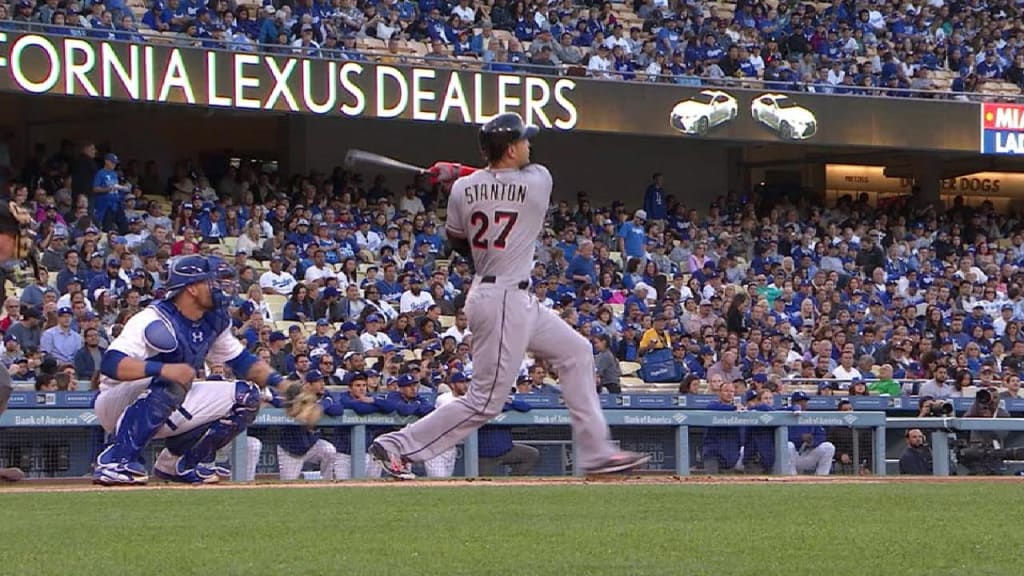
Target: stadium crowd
<point>350,285</point>
<point>843,47</point>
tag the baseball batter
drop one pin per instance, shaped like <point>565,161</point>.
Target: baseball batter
<point>494,216</point>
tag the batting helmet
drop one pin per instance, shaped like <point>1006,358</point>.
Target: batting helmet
<point>501,131</point>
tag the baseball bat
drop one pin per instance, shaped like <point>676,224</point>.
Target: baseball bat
<point>358,157</point>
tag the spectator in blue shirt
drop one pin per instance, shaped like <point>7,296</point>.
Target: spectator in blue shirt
<point>61,341</point>
<point>109,210</point>
<point>632,236</point>
<point>581,269</point>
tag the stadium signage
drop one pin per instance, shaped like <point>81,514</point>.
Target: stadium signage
<point>249,81</point>
<point>1002,128</point>
<point>283,83</point>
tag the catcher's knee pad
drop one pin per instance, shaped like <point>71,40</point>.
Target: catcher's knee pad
<point>247,403</point>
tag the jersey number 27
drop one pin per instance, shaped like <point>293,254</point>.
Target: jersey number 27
<point>503,220</point>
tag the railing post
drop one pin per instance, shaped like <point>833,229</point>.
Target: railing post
<point>879,444</point>
<point>239,457</point>
<point>471,455</point>
<point>683,450</point>
<point>358,451</point>
<point>781,450</point>
<point>940,452</point>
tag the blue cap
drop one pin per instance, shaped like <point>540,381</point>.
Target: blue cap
<point>75,280</point>
<point>89,315</point>
<point>706,350</point>
<point>247,308</point>
<point>323,322</point>
<point>277,336</point>
<point>458,377</point>
<point>314,375</point>
<point>111,157</point>
<point>390,348</point>
<point>749,395</point>
<point>371,373</point>
<point>799,396</point>
<point>373,318</point>
<point>339,335</point>
<point>407,380</point>
<point>349,326</point>
<point>294,328</point>
<point>63,310</point>
<point>330,292</point>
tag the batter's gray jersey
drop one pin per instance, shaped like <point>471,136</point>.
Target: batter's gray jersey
<point>501,213</point>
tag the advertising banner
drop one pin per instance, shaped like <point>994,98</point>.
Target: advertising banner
<point>160,73</point>
<point>1002,128</point>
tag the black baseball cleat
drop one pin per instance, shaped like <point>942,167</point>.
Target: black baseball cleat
<point>393,464</point>
<point>619,462</point>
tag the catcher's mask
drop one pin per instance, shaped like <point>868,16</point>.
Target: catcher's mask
<point>16,221</point>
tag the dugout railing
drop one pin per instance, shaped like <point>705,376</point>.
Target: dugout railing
<point>57,433</point>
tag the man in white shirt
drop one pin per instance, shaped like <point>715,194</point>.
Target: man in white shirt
<point>319,272</point>
<point>367,240</point>
<point>410,202</point>
<point>846,372</point>
<point>600,65</point>
<point>276,281</point>
<point>459,330</point>
<point>373,340</point>
<point>617,39</point>
<point>414,299</point>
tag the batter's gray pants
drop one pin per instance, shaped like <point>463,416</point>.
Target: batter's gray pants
<point>506,322</point>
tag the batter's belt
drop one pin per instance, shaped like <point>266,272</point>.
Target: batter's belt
<point>525,284</point>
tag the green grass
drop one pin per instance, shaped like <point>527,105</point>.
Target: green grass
<point>621,530</point>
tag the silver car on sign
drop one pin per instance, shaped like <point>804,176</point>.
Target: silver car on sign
<point>703,112</point>
<point>780,113</point>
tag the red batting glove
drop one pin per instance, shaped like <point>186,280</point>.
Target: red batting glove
<point>448,172</point>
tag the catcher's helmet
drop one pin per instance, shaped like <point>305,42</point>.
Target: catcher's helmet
<point>193,269</point>
<point>501,131</point>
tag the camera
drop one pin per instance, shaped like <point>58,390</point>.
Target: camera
<point>981,459</point>
<point>940,409</point>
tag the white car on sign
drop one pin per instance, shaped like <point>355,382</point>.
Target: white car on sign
<point>703,112</point>
<point>781,114</point>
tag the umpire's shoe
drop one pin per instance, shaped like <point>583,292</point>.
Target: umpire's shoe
<point>393,464</point>
<point>110,471</point>
<point>619,462</point>
<point>172,468</point>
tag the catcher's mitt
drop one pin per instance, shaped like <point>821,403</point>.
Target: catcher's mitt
<point>300,405</point>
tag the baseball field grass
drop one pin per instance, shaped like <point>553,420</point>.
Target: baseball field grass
<point>563,530</point>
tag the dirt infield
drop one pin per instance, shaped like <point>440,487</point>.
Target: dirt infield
<point>83,485</point>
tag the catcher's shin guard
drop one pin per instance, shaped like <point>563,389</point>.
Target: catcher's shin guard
<point>200,446</point>
<point>142,420</point>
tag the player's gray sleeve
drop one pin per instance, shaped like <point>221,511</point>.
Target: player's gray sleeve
<point>6,387</point>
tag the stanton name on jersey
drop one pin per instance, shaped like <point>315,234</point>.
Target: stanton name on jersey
<point>497,191</point>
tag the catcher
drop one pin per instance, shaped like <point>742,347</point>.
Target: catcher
<point>148,388</point>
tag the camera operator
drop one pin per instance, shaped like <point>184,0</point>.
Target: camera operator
<point>983,452</point>
<point>929,407</point>
<point>917,458</point>
<point>6,387</point>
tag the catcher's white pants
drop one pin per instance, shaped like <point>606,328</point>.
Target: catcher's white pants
<point>442,465</point>
<point>343,467</point>
<point>321,453</point>
<point>254,447</point>
<point>206,401</point>
<point>817,460</point>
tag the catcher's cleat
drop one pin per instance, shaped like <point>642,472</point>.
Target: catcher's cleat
<point>169,467</point>
<point>118,472</point>
<point>619,462</point>
<point>393,464</point>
